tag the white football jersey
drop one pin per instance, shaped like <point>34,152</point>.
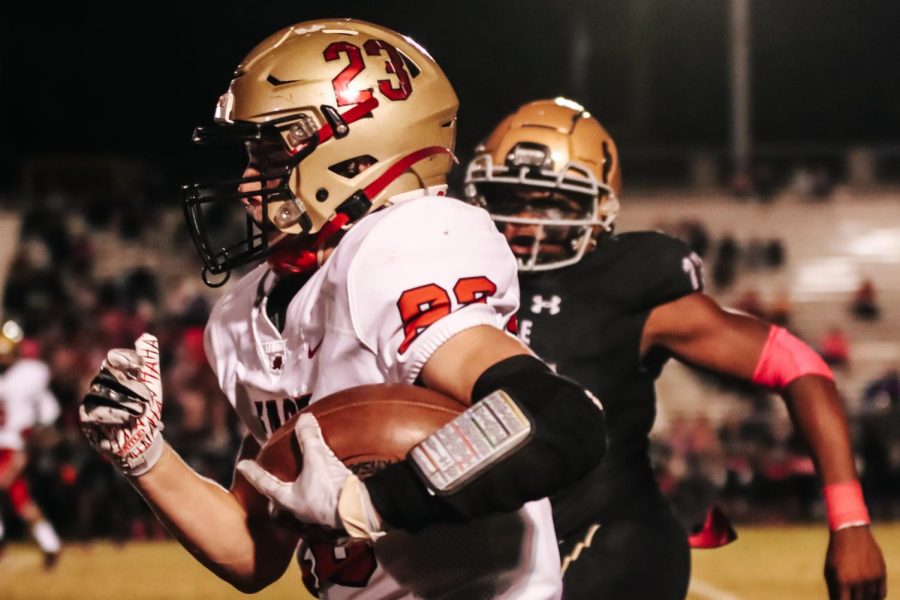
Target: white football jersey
<point>400,283</point>
<point>25,401</point>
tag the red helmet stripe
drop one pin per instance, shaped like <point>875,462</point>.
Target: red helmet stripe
<point>397,169</point>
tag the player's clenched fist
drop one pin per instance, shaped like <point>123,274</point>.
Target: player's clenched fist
<point>121,415</point>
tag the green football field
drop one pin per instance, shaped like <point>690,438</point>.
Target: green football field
<point>765,563</point>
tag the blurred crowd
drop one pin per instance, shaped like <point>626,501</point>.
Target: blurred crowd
<point>758,469</point>
<point>71,317</point>
<point>724,257</point>
<point>72,314</point>
<point>764,181</point>
<point>757,466</point>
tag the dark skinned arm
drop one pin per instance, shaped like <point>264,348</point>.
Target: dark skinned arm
<point>696,330</point>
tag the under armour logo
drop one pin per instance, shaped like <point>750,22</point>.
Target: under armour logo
<point>538,304</point>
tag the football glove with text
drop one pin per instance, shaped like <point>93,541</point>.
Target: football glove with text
<point>121,415</point>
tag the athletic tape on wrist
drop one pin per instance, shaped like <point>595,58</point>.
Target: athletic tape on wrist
<point>148,459</point>
<point>785,358</point>
<point>483,434</point>
<point>845,505</point>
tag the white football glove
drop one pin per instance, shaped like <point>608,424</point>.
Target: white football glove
<point>325,493</point>
<point>121,415</point>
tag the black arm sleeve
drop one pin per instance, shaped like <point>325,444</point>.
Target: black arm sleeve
<point>568,440</point>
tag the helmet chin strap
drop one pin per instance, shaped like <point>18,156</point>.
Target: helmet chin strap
<point>400,167</point>
<point>307,254</point>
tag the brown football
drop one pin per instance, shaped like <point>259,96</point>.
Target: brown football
<point>367,427</point>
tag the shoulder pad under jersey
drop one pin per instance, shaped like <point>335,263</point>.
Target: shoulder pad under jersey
<point>658,268</point>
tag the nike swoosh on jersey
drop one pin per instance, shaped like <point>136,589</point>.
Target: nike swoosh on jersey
<point>312,350</point>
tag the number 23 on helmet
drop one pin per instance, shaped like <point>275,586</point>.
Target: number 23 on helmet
<point>333,118</point>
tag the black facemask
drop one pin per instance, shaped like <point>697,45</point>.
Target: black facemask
<point>201,201</point>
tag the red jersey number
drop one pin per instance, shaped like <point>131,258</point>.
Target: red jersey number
<point>470,290</point>
<point>342,90</point>
<point>394,65</point>
<point>425,305</point>
<point>350,566</point>
<point>421,307</point>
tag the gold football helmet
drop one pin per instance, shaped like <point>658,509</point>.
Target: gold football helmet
<point>11,335</point>
<point>549,168</point>
<point>336,116</point>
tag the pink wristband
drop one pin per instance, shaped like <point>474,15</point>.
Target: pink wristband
<point>784,358</point>
<point>845,505</point>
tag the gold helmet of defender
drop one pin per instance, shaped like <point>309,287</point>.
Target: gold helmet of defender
<point>548,149</point>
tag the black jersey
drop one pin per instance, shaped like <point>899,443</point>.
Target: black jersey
<point>586,320</point>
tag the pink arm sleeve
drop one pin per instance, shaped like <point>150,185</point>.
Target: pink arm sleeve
<point>785,358</point>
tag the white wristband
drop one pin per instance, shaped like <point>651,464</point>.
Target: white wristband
<point>356,511</point>
<point>851,524</point>
<point>146,461</point>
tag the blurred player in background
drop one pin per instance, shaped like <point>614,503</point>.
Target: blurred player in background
<point>26,403</point>
<point>608,311</point>
<point>367,274</point>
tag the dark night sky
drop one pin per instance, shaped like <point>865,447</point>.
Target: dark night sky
<point>84,80</point>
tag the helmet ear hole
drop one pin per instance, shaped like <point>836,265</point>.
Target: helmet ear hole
<point>352,167</point>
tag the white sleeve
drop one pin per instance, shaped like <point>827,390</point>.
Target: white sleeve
<point>431,270</point>
<point>29,392</point>
<point>47,407</point>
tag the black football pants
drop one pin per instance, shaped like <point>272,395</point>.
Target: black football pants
<point>638,557</point>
